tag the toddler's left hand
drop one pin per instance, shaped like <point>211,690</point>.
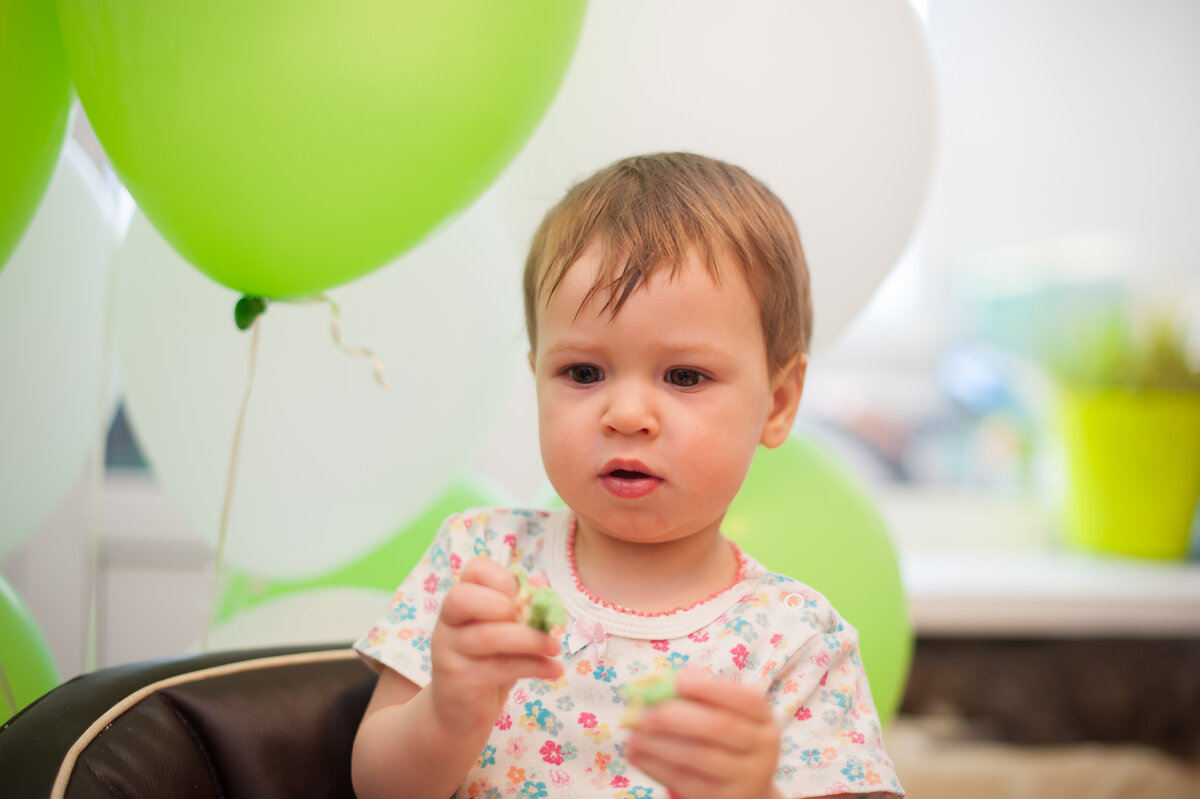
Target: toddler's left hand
<point>716,739</point>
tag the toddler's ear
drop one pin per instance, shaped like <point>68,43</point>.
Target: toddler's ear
<point>786,388</point>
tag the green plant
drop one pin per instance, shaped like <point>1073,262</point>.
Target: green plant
<point>1112,350</point>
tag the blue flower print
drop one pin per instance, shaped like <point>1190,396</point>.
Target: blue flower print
<point>832,642</point>
<point>540,714</point>
<point>488,758</point>
<point>640,792</point>
<point>676,659</point>
<point>742,628</point>
<point>421,642</point>
<point>853,770</point>
<point>534,790</point>
<point>635,668</point>
<point>493,793</point>
<point>402,612</point>
<point>565,703</point>
<point>605,673</point>
<point>811,757</point>
<point>539,687</point>
<point>568,751</point>
<point>840,697</point>
<point>480,547</point>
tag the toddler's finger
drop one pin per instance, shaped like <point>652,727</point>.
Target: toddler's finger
<point>745,700</point>
<point>470,602</point>
<point>485,571</point>
<point>502,638</point>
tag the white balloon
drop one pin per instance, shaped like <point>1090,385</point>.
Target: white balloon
<point>316,616</point>
<point>52,303</point>
<point>330,463</point>
<point>831,104</point>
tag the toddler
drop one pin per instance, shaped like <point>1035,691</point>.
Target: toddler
<point>668,312</point>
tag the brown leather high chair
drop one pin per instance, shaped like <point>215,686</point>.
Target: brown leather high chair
<point>256,723</point>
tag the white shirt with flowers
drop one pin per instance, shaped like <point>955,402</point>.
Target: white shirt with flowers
<point>564,739</point>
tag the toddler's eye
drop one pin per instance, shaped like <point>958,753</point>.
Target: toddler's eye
<point>585,373</point>
<point>684,378</point>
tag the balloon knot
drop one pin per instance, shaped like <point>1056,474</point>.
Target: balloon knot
<point>248,309</point>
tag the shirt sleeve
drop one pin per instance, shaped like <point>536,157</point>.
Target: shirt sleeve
<point>832,741</point>
<point>400,640</point>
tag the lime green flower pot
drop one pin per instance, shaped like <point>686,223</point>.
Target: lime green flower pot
<point>1133,462</point>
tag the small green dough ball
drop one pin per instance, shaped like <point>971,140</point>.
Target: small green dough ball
<point>540,607</point>
<point>646,691</point>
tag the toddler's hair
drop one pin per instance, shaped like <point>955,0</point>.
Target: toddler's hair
<point>648,212</point>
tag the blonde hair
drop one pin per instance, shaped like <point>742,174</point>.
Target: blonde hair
<point>649,212</point>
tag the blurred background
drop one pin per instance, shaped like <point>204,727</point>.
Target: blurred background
<point>999,206</point>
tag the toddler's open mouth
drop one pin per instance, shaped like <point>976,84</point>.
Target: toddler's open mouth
<point>628,479</point>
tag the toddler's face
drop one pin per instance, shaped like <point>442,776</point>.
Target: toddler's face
<point>649,420</point>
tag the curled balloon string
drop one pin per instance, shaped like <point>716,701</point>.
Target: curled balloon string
<point>250,307</point>
<point>99,456</point>
<point>335,326</point>
<point>230,482</point>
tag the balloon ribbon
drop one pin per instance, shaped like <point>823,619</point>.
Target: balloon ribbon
<point>250,307</point>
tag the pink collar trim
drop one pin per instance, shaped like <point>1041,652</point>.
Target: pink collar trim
<point>582,589</point>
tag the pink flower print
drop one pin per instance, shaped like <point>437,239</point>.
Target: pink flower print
<point>740,653</point>
<point>376,636</point>
<point>431,604</point>
<point>619,782</point>
<point>803,713</point>
<point>854,737</point>
<point>824,679</point>
<point>551,753</point>
<point>510,541</point>
<point>560,778</point>
<point>504,722</point>
<point>700,636</point>
<point>588,720</point>
<point>777,640</point>
<point>820,659</point>
<point>519,697</point>
<point>431,583</point>
<point>515,749</point>
<point>455,563</point>
<point>661,645</point>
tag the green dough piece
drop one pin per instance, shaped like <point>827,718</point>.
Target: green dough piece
<point>541,607</point>
<point>646,691</point>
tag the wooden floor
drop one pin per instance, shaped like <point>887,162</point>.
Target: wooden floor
<point>941,758</point>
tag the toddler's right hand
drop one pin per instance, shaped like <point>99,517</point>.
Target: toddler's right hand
<point>480,649</point>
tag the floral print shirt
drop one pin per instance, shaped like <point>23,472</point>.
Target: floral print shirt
<point>563,738</point>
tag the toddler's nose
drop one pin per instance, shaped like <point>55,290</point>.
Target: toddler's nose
<point>629,410</point>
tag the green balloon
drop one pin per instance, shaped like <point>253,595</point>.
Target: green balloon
<point>287,146</point>
<point>35,100</point>
<point>802,514</point>
<point>383,568</point>
<point>27,668</point>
